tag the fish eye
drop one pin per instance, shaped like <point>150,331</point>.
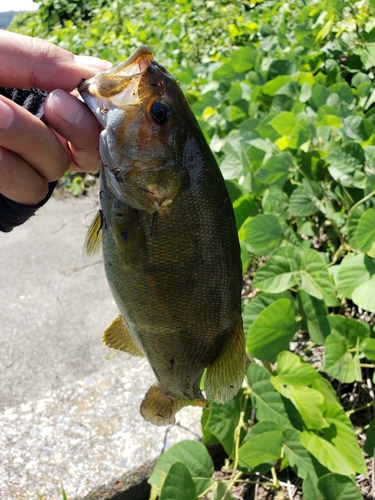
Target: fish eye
<point>160,112</point>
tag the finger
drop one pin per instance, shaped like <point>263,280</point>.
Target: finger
<point>73,120</point>
<point>31,62</point>
<point>32,140</point>
<point>19,181</point>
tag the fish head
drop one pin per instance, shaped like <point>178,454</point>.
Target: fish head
<point>140,107</point>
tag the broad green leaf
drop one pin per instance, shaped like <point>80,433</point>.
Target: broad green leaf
<point>291,369</point>
<point>231,167</point>
<point>358,128</point>
<point>270,88</point>
<point>261,233</point>
<point>223,419</point>
<point>242,60</point>
<point>369,446</point>
<point>195,457</point>
<point>326,453</point>
<point>280,67</point>
<point>244,207</point>
<point>342,435</point>
<point>263,446</point>
<point>338,487</point>
<point>301,203</point>
<point>364,295</point>
<point>343,90</point>
<point>316,315</point>
<point>272,330</point>
<point>354,270</point>
<point>368,348</point>
<point>338,362</point>
<point>178,484</point>
<point>347,334</point>
<point>275,201</point>
<point>300,460</point>
<point>281,271</point>
<point>365,233</point>
<point>300,134</point>
<point>345,161</point>
<point>268,403</point>
<point>255,306</point>
<point>315,279</point>
<point>275,170</point>
<point>284,123</point>
<point>219,491</point>
<point>310,488</point>
<point>319,95</point>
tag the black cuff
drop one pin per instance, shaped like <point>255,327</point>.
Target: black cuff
<point>14,214</point>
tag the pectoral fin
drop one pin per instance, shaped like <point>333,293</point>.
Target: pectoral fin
<point>93,240</point>
<point>117,337</point>
<point>225,375</point>
<point>160,408</point>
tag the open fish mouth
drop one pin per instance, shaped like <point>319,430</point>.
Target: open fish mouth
<point>118,86</point>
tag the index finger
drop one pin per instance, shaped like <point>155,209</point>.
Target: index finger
<point>31,62</point>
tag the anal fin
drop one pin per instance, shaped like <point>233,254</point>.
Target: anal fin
<point>117,337</point>
<point>160,407</point>
<point>225,375</point>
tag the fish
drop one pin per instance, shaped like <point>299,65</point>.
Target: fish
<point>167,233</point>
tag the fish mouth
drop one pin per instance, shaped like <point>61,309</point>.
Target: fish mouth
<point>118,86</point>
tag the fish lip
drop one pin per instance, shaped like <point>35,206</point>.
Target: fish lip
<point>136,64</point>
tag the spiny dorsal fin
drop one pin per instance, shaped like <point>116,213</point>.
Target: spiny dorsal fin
<point>117,337</point>
<point>93,240</point>
<point>225,375</point>
<point>160,408</point>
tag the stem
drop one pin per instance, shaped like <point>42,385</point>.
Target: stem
<point>360,202</point>
<point>360,408</point>
<point>275,481</point>
<point>366,365</point>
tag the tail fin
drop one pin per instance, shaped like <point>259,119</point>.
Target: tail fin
<point>225,375</point>
<point>160,408</point>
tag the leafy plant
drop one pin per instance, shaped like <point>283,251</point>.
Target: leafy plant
<point>285,94</point>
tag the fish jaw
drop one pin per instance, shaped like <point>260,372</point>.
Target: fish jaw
<point>113,88</point>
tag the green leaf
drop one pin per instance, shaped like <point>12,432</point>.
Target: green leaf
<point>368,348</point>
<point>365,233</point>
<point>263,446</point>
<point>268,403</point>
<point>262,233</point>
<point>315,313</point>
<point>354,270</point>
<point>195,457</point>
<point>220,492</point>
<point>338,362</point>
<point>345,161</point>
<point>222,421</point>
<point>343,90</point>
<point>284,123</point>
<point>275,201</point>
<point>300,460</point>
<point>315,279</point>
<point>270,88</point>
<point>275,170</point>
<point>305,199</point>
<point>272,330</point>
<point>255,306</point>
<point>326,453</point>
<point>358,128</point>
<point>244,207</point>
<point>178,484</point>
<point>281,271</point>
<point>242,60</point>
<point>363,296</point>
<point>333,486</point>
<point>369,446</point>
<point>347,334</point>
<point>342,435</point>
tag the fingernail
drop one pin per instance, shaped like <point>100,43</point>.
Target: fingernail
<point>93,62</point>
<point>65,106</point>
<point>6,115</point>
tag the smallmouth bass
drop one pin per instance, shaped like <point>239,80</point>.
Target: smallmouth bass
<point>169,240</point>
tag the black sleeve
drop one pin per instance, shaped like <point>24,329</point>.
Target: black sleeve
<point>14,214</point>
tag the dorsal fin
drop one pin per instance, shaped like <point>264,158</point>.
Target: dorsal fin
<point>117,337</point>
<point>93,240</point>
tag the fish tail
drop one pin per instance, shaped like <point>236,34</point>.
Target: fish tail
<point>225,375</point>
<point>160,408</point>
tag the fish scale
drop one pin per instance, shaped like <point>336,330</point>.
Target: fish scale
<point>169,239</point>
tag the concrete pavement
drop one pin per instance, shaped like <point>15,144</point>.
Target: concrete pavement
<point>69,406</point>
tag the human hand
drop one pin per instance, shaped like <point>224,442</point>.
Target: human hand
<point>33,153</point>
